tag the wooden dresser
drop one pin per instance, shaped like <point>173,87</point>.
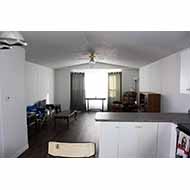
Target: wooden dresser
<point>149,102</point>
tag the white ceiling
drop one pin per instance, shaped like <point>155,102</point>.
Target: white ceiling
<point>58,49</point>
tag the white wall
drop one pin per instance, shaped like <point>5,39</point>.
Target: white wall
<point>149,76</point>
<point>13,128</point>
<point>39,83</point>
<point>163,77</point>
<point>62,80</point>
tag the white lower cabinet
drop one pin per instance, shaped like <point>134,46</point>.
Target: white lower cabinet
<point>148,140</point>
<point>137,140</point>
<point>166,140</point>
<point>108,140</point>
<point>127,141</point>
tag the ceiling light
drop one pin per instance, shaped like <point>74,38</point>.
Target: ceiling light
<point>92,62</point>
<point>3,46</point>
<point>92,58</point>
<point>12,38</point>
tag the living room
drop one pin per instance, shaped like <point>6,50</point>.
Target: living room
<point>93,95</point>
<point>71,84</point>
<point>59,86</point>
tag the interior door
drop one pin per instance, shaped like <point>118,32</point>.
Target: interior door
<point>147,144</point>
<point>108,140</point>
<point>128,140</point>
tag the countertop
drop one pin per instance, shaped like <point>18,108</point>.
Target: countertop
<point>177,118</point>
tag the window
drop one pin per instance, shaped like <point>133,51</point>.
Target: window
<point>114,87</point>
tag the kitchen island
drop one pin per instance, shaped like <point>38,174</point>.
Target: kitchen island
<point>126,135</point>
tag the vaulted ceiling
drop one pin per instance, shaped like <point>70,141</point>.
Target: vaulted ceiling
<point>58,49</point>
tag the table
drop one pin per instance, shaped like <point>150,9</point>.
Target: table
<point>89,99</point>
<point>66,115</point>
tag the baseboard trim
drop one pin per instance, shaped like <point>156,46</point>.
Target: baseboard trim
<point>20,151</point>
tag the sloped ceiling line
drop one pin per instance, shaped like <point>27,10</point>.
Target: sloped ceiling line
<point>59,49</point>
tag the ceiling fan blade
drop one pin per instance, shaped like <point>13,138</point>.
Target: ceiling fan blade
<point>82,58</point>
<point>3,46</point>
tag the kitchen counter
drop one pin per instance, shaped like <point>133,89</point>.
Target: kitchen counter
<point>177,118</point>
<point>185,127</point>
<point>139,135</point>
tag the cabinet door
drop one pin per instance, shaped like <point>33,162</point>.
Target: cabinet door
<point>128,140</point>
<point>166,140</point>
<point>137,140</point>
<point>108,140</point>
<point>184,74</point>
<point>147,144</point>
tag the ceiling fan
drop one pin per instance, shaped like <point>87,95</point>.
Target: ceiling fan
<point>92,58</point>
<point>8,39</point>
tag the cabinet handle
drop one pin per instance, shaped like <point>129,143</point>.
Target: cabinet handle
<point>188,89</point>
<point>138,127</point>
<point>117,127</point>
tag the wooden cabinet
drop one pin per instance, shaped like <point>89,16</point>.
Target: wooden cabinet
<point>149,102</point>
<point>184,71</point>
<point>128,140</point>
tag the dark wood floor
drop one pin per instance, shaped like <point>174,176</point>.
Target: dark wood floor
<point>81,130</point>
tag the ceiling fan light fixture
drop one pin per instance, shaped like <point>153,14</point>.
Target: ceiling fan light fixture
<point>92,59</point>
<point>4,47</point>
<point>92,62</point>
<point>12,38</point>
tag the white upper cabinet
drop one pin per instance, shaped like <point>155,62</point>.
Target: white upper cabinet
<point>185,71</point>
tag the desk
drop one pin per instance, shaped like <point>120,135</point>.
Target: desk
<point>89,99</point>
